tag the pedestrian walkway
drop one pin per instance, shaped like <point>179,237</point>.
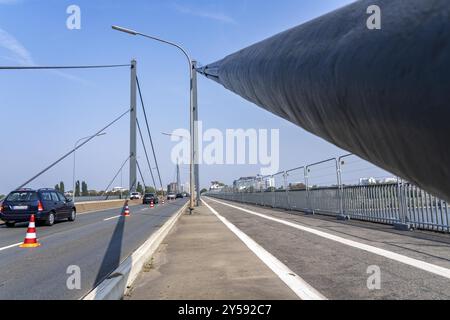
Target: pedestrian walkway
<point>201,259</point>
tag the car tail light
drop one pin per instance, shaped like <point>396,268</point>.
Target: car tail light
<point>1,208</point>
<point>40,207</point>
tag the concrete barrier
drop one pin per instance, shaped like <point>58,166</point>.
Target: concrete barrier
<point>116,285</point>
<point>84,207</point>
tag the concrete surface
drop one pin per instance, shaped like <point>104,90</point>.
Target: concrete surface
<point>202,260</point>
<point>83,207</point>
<point>339,271</point>
<point>95,242</point>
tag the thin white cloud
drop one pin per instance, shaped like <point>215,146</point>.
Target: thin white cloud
<point>218,16</point>
<point>19,54</point>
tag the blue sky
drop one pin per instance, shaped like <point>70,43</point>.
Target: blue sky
<point>44,112</point>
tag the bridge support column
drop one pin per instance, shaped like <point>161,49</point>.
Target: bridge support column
<point>133,117</point>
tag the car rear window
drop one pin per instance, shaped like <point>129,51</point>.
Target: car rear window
<point>46,196</point>
<point>22,196</point>
<point>148,195</point>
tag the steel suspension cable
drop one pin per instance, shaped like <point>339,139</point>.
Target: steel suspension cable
<point>149,133</point>
<point>62,67</point>
<point>73,150</point>
<point>112,181</point>
<point>142,177</point>
<point>146,154</point>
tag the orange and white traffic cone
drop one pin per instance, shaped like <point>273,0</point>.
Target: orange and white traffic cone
<point>152,205</point>
<point>31,238</point>
<point>126,210</point>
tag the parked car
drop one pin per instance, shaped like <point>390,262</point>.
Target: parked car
<point>135,196</point>
<point>148,197</point>
<point>171,196</point>
<point>47,205</point>
<point>179,196</point>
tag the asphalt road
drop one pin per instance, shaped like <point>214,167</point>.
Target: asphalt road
<point>340,271</point>
<point>96,242</point>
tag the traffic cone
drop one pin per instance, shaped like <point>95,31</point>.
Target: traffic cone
<point>126,210</point>
<point>152,205</point>
<point>31,239</point>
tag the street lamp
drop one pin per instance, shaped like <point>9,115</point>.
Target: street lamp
<point>193,107</point>
<point>74,152</point>
<point>174,135</point>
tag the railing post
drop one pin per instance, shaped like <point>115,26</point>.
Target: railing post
<point>342,215</point>
<point>287,190</point>
<point>308,200</point>
<point>272,178</point>
<point>404,224</point>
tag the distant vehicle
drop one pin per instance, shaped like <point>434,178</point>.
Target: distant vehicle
<point>185,195</point>
<point>148,197</point>
<point>179,196</point>
<point>171,196</point>
<point>135,196</point>
<point>47,205</point>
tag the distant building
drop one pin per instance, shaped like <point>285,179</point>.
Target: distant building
<point>244,183</point>
<point>367,181</point>
<point>257,183</point>
<point>389,181</point>
<point>216,186</point>
<point>173,187</point>
<point>186,187</point>
<point>373,181</point>
<point>269,182</point>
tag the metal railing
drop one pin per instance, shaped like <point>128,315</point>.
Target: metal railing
<point>316,190</point>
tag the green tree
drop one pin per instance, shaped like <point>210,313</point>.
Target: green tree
<point>84,189</point>
<point>203,191</point>
<point>57,187</point>
<point>77,188</point>
<point>150,190</point>
<point>139,188</point>
<point>61,187</point>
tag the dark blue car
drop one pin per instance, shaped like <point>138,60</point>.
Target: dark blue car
<point>48,206</point>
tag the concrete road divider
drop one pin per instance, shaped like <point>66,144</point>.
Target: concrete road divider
<point>83,207</point>
<point>116,285</point>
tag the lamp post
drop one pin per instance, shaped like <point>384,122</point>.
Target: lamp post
<point>193,106</point>
<point>74,158</point>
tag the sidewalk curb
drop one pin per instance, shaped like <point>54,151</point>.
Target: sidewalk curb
<point>117,284</point>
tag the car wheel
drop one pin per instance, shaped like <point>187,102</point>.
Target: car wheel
<point>73,216</point>
<point>10,224</point>
<point>50,219</point>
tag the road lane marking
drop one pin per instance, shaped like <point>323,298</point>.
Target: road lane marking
<point>300,287</point>
<point>11,246</point>
<point>115,217</point>
<point>441,271</point>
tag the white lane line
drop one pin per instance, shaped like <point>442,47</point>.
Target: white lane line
<point>432,268</point>
<point>18,244</point>
<point>11,246</point>
<point>115,217</point>
<point>300,287</point>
